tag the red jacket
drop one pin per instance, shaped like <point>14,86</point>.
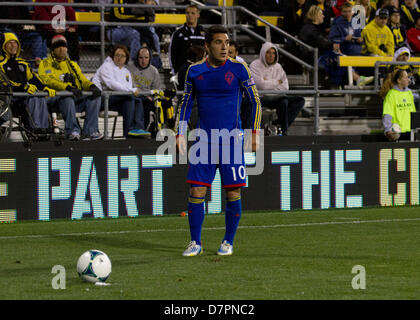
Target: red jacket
<point>413,38</point>
<point>45,13</point>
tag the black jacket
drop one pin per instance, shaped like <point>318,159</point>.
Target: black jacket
<point>312,35</point>
<point>181,40</point>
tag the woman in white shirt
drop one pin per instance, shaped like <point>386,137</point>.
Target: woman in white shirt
<point>113,75</point>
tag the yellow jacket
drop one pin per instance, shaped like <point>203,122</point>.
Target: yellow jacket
<point>374,36</point>
<point>52,73</point>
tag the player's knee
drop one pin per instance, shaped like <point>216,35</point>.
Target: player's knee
<point>198,192</point>
<point>233,193</point>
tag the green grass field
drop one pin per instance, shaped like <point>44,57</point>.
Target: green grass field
<point>292,255</point>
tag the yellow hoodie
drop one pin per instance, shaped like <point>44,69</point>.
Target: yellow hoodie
<point>374,36</point>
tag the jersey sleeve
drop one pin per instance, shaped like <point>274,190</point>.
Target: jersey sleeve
<point>251,93</point>
<point>186,104</point>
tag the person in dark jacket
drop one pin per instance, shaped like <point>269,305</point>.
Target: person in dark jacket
<point>409,12</point>
<point>191,33</point>
<point>342,32</point>
<point>294,18</point>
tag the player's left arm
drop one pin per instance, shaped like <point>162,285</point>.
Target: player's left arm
<point>251,93</point>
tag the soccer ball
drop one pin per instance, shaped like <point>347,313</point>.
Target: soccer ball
<point>94,266</point>
<point>396,128</point>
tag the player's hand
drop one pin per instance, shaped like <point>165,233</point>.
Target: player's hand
<point>392,136</point>
<point>51,92</point>
<point>31,89</point>
<point>181,144</point>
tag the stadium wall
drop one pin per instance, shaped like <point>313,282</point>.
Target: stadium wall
<point>124,178</point>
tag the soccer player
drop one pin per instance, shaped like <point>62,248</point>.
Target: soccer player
<point>217,83</point>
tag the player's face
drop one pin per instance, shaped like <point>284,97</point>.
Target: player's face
<point>120,58</point>
<point>11,47</point>
<point>218,48</point>
<point>144,58</point>
<point>60,53</point>
<point>232,52</point>
<point>270,56</point>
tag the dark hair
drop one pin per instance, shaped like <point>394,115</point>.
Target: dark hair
<point>212,31</point>
<point>193,6</point>
<point>196,53</point>
<point>123,48</point>
<point>235,44</point>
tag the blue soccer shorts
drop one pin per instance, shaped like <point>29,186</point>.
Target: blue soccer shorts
<point>228,158</point>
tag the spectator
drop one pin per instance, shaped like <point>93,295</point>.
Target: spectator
<point>328,50</point>
<point>145,77</point>
<point>342,32</point>
<point>113,75</point>
<point>409,12</point>
<point>28,34</point>
<point>195,53</point>
<point>369,11</point>
<point>60,73</point>
<point>328,12</point>
<point>129,36</point>
<point>294,18</point>
<point>398,105</point>
<point>234,51</point>
<point>413,35</point>
<point>403,55</point>
<point>49,30</point>
<point>378,38</point>
<point>23,79</point>
<point>269,75</point>
<point>397,29</point>
<point>191,33</point>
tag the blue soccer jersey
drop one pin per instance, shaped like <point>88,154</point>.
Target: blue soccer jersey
<point>219,95</point>
<point>218,92</point>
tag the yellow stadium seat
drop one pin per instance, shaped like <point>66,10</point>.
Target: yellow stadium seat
<point>271,19</point>
<point>161,18</point>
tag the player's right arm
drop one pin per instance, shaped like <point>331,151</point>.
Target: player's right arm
<point>185,113</point>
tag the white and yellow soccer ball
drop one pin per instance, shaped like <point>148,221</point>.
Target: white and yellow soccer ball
<point>94,266</point>
<point>396,128</point>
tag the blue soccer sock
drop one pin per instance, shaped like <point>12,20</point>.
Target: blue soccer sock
<point>196,217</point>
<point>232,217</point>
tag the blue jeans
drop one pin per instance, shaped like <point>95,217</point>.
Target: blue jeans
<point>131,109</point>
<point>38,109</point>
<point>127,36</point>
<point>38,44</point>
<point>68,107</point>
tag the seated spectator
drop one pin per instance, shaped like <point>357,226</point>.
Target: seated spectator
<point>398,105</point>
<point>49,30</point>
<point>386,3</point>
<point>378,39</point>
<point>369,11</point>
<point>234,51</point>
<point>191,33</point>
<point>397,29</point>
<point>27,33</point>
<point>327,50</point>
<point>413,35</point>
<point>113,75</point>
<point>409,12</point>
<point>145,77</point>
<point>23,79</point>
<point>62,74</point>
<point>328,12</point>
<point>269,75</point>
<point>343,34</point>
<point>403,55</point>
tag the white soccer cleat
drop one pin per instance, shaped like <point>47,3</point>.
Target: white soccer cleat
<point>226,249</point>
<point>193,249</point>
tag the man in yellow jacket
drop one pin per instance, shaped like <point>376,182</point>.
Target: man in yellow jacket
<point>62,74</point>
<point>378,39</point>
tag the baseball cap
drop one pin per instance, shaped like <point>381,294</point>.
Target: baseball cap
<point>382,13</point>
